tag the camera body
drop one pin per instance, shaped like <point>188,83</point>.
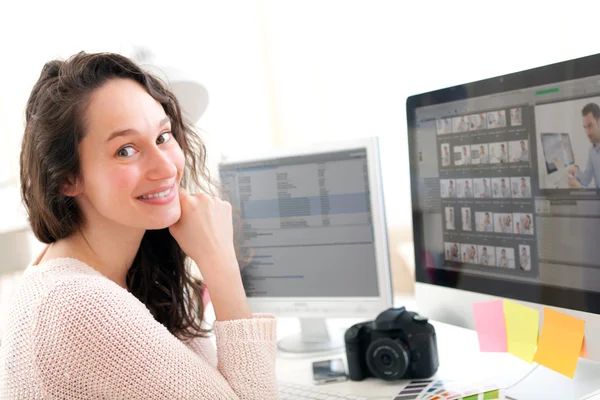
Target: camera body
<point>398,344</point>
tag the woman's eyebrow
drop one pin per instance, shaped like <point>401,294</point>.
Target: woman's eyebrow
<point>130,131</point>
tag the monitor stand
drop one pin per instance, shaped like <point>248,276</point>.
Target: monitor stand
<point>313,338</point>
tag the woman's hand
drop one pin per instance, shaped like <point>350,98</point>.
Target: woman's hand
<point>205,233</point>
<point>204,229</point>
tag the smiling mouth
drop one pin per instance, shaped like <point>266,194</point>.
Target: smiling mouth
<point>156,195</point>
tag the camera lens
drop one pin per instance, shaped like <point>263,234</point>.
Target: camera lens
<point>387,359</point>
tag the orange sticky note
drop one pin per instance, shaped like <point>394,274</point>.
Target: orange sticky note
<point>521,330</point>
<point>560,342</point>
<point>584,350</point>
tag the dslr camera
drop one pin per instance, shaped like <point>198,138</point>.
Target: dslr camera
<point>399,344</point>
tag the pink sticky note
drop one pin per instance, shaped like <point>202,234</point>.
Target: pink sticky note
<point>490,326</point>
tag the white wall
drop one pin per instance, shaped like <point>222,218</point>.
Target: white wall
<point>286,71</point>
<point>218,41</point>
<point>345,68</point>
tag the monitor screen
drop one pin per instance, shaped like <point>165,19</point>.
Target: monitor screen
<point>505,185</point>
<point>306,225</point>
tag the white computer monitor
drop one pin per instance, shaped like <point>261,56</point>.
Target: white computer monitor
<point>312,222</point>
<point>535,240</point>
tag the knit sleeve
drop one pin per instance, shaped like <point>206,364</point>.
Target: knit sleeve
<point>98,341</point>
<point>248,345</point>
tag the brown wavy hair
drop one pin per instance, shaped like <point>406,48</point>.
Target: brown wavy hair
<point>54,127</point>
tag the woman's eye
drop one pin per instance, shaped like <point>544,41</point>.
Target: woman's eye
<point>164,137</point>
<point>126,151</point>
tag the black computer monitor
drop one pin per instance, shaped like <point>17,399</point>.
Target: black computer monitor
<point>524,161</point>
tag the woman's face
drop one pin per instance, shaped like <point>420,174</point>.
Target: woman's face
<point>128,151</point>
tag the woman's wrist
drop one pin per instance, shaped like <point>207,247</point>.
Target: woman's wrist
<point>223,280</point>
<point>229,300</point>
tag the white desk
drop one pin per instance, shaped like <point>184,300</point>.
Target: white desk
<point>460,359</point>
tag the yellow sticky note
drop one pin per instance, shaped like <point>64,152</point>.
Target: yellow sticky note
<point>521,330</point>
<point>560,342</point>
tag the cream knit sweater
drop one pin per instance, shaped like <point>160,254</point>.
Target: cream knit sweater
<point>74,334</point>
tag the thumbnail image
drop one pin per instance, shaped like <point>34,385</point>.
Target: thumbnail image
<point>477,122</point>
<point>448,188</point>
<point>496,119</point>
<point>467,220</point>
<point>465,188</point>
<point>520,187</point>
<point>460,124</point>
<point>503,223</point>
<point>500,188</point>
<point>469,253</point>
<point>515,117</point>
<point>484,221</point>
<point>450,218</point>
<point>452,251</point>
<point>519,151</point>
<point>566,133</point>
<point>505,257</point>
<point>487,255</point>
<point>524,257</point>
<point>498,153</point>
<point>481,188</point>
<point>523,223</point>
<point>480,154</point>
<point>444,126</point>
<point>446,158</point>
<point>462,155</point>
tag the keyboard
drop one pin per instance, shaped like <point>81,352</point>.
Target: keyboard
<point>291,391</point>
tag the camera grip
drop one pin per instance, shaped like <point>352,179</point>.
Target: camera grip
<point>354,356</point>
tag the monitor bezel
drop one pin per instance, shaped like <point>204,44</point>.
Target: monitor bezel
<point>568,298</point>
<point>339,307</point>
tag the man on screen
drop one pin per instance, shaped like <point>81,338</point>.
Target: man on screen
<point>527,228</point>
<point>446,157</point>
<point>466,156</point>
<point>468,190</point>
<point>487,225</point>
<point>505,224</point>
<point>591,125</point>
<point>486,190</point>
<point>502,261</point>
<point>503,158</point>
<point>472,258</point>
<point>524,153</point>
<point>451,190</point>
<point>525,191</point>
<point>450,222</point>
<point>485,257</point>
<point>483,157</point>
<point>454,253</point>
<point>524,259</point>
<point>467,220</point>
<point>504,189</point>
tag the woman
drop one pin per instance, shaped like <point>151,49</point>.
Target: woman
<point>109,309</point>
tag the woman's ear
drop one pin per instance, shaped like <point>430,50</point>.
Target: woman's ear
<point>72,187</point>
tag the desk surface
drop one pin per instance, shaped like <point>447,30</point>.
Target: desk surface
<point>459,357</point>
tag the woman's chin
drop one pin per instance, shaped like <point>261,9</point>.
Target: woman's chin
<point>163,223</point>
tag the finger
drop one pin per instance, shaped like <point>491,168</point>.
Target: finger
<point>182,192</point>
<point>184,197</point>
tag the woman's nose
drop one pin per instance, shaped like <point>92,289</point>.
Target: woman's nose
<point>160,165</point>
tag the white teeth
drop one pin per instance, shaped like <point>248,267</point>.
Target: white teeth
<point>161,194</point>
